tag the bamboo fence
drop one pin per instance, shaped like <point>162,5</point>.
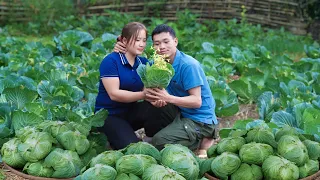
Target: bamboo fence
<point>273,13</point>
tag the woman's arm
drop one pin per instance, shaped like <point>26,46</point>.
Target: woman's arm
<point>112,84</point>
<point>192,101</point>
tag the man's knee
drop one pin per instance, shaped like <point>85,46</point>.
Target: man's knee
<point>158,141</point>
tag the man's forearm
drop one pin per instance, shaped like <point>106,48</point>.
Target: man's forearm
<point>190,101</point>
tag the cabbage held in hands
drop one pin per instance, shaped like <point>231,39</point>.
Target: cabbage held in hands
<point>156,75</point>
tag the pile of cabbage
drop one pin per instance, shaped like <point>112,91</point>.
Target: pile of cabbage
<point>142,161</point>
<point>53,149</point>
<point>156,73</point>
<point>260,153</point>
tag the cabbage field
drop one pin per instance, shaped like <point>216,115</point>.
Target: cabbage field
<point>49,82</point>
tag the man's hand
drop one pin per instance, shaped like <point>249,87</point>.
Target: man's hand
<point>158,94</point>
<point>120,47</point>
<point>158,103</point>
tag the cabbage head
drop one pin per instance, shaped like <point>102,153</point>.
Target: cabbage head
<point>309,168</point>
<point>24,132</point>
<point>98,141</point>
<point>65,163</point>
<point>158,172</point>
<point>107,158</point>
<point>255,153</point>
<point>230,144</point>
<point>98,172</point>
<point>86,157</point>
<point>205,166</point>
<point>37,169</point>
<point>180,159</point>
<point>156,75</point>
<point>313,149</point>
<point>83,127</point>
<point>36,146</point>
<point>286,130</point>
<point>279,168</point>
<point>10,154</point>
<point>237,133</point>
<point>134,163</point>
<point>247,172</point>
<point>225,164</point>
<point>261,135</point>
<point>54,127</point>
<point>74,140</point>
<point>291,148</point>
<point>124,176</point>
<point>212,151</point>
<point>143,148</point>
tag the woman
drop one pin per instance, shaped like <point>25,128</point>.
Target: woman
<point>121,87</point>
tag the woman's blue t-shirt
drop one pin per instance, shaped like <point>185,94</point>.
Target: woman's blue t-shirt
<point>117,65</point>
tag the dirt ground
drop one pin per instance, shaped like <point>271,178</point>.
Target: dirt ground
<point>245,112</point>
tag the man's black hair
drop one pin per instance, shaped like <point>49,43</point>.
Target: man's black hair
<point>163,28</point>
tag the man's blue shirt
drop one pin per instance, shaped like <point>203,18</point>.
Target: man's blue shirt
<point>117,65</point>
<point>188,75</point>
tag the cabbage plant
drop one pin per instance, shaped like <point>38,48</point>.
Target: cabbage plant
<point>255,153</point>
<point>225,164</point>
<point>124,176</point>
<point>107,158</point>
<point>98,172</point>
<point>286,130</point>
<point>291,148</point>
<point>247,172</point>
<point>261,135</point>
<point>54,127</point>
<point>309,168</point>
<point>10,154</point>
<point>205,166</point>
<point>313,149</point>
<point>158,172</point>
<point>65,163</point>
<point>212,151</point>
<point>230,144</point>
<point>143,148</point>
<point>279,168</point>
<point>74,140</point>
<point>134,163</point>
<point>180,159</point>
<point>36,146</point>
<point>24,132</point>
<point>38,169</point>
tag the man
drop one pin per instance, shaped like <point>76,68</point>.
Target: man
<point>189,91</point>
